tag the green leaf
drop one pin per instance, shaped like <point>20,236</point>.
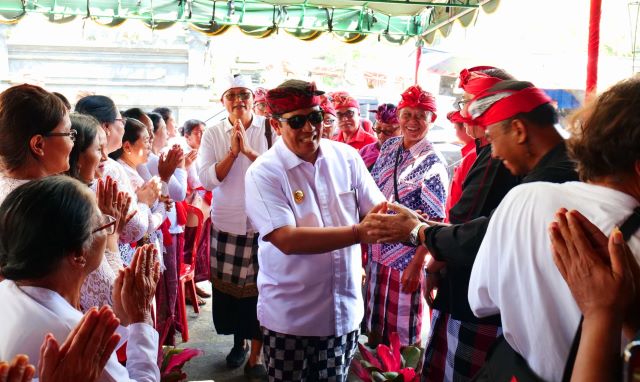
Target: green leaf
<point>411,355</point>
<point>378,377</point>
<point>369,366</point>
<point>391,375</point>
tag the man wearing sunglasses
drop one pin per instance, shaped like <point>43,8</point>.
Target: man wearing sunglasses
<point>226,151</point>
<point>348,116</point>
<point>306,197</point>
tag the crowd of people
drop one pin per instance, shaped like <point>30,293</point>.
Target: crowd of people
<point>321,228</point>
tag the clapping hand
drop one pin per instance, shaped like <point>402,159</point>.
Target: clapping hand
<point>85,352</point>
<point>150,192</point>
<point>169,161</point>
<point>135,286</point>
<point>190,158</point>
<point>113,202</point>
<point>19,370</point>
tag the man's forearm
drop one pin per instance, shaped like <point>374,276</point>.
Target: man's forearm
<point>312,240</point>
<point>223,167</point>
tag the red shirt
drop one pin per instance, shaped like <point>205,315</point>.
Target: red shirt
<point>358,140</point>
<point>460,173</point>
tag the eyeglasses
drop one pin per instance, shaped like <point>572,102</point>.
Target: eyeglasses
<point>71,134</point>
<point>420,117</point>
<point>234,96</point>
<point>109,226</point>
<point>260,106</point>
<point>123,120</point>
<point>346,114</point>
<point>329,122</point>
<point>387,132</point>
<point>298,121</point>
<point>459,104</point>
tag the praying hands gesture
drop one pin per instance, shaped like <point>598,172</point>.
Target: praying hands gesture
<point>240,136</point>
<point>135,287</point>
<point>601,272</point>
<point>85,352</point>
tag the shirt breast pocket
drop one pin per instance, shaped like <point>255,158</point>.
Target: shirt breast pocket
<point>349,206</point>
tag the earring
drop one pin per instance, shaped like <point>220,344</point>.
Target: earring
<point>80,260</point>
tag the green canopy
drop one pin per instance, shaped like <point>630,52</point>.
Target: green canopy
<point>351,20</point>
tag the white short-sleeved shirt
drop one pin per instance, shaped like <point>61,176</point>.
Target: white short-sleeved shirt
<point>320,294</point>
<point>228,208</point>
<point>514,273</point>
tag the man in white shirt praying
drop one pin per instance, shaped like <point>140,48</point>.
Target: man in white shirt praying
<point>226,151</point>
<point>306,197</point>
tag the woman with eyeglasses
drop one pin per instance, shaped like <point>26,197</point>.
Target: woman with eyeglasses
<point>387,126</point>
<point>45,263</point>
<point>36,137</point>
<point>409,171</point>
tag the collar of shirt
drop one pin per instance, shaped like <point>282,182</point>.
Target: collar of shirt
<point>466,149</point>
<point>555,166</point>
<point>290,159</point>
<point>359,136</point>
<point>416,149</point>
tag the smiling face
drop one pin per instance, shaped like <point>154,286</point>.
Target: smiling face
<point>385,131</point>
<point>505,147</point>
<point>414,124</point>
<point>238,102</point>
<point>115,131</point>
<point>303,142</point>
<point>138,152</point>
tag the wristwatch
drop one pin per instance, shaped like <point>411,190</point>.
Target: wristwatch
<point>413,236</point>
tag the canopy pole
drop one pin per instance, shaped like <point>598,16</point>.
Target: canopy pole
<point>593,48</point>
<point>418,59</point>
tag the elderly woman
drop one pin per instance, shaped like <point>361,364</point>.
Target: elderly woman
<point>409,171</point>
<point>35,136</point>
<point>387,126</point>
<point>45,264</point>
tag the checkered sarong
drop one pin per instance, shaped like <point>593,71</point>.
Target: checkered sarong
<point>456,350</point>
<point>234,263</point>
<point>302,358</point>
<point>388,309</point>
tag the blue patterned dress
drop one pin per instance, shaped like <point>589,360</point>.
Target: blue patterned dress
<point>422,184</point>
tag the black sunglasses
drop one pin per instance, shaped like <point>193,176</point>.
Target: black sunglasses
<point>298,121</point>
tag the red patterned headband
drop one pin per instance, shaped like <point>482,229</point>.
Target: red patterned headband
<point>298,95</point>
<point>475,82</point>
<point>493,107</point>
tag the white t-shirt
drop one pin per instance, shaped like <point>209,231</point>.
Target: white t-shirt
<point>320,294</point>
<point>514,273</point>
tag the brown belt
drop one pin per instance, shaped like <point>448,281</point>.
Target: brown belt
<point>250,290</point>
